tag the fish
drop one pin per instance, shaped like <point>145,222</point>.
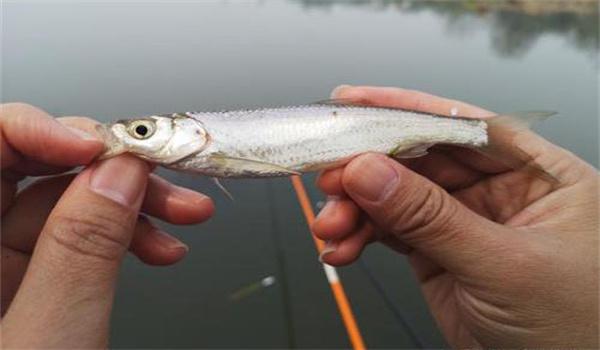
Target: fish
<point>284,141</point>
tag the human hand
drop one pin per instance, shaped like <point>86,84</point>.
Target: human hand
<point>64,237</point>
<point>504,259</point>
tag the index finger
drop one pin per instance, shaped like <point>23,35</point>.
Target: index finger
<point>408,99</point>
<point>30,134</point>
<point>468,160</point>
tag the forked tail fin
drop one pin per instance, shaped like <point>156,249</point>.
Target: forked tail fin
<point>503,145</point>
<point>522,120</point>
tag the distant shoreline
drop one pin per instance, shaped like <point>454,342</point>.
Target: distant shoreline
<point>534,7</point>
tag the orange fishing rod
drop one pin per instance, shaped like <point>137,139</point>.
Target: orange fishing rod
<point>334,282</point>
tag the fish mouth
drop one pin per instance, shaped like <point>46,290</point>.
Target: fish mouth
<point>112,146</point>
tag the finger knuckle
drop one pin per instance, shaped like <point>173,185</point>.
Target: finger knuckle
<point>429,212</point>
<point>98,237</point>
<point>76,121</point>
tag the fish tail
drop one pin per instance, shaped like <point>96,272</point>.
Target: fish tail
<point>506,136</point>
<point>520,120</point>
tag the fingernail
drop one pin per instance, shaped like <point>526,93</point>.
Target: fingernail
<point>122,179</point>
<point>84,135</point>
<point>372,178</point>
<point>330,247</point>
<point>168,241</point>
<point>329,208</point>
<point>335,92</point>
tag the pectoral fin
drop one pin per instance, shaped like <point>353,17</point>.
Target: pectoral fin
<point>244,166</point>
<point>222,188</point>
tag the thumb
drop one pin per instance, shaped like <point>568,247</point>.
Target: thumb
<point>66,296</point>
<point>418,212</point>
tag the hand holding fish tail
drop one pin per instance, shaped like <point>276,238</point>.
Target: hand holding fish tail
<point>64,237</point>
<point>505,258</point>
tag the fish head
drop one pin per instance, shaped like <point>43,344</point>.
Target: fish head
<point>159,139</point>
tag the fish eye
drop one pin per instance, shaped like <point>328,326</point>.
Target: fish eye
<point>142,129</point>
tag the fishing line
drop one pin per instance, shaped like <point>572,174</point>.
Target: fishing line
<point>281,267</point>
<point>390,304</point>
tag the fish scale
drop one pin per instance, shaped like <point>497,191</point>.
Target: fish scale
<point>306,138</point>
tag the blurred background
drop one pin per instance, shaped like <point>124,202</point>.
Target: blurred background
<point>116,59</point>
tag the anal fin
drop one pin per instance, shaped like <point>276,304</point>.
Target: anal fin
<point>414,152</point>
<point>251,166</point>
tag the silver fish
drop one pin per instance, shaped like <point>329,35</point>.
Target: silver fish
<point>285,141</point>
